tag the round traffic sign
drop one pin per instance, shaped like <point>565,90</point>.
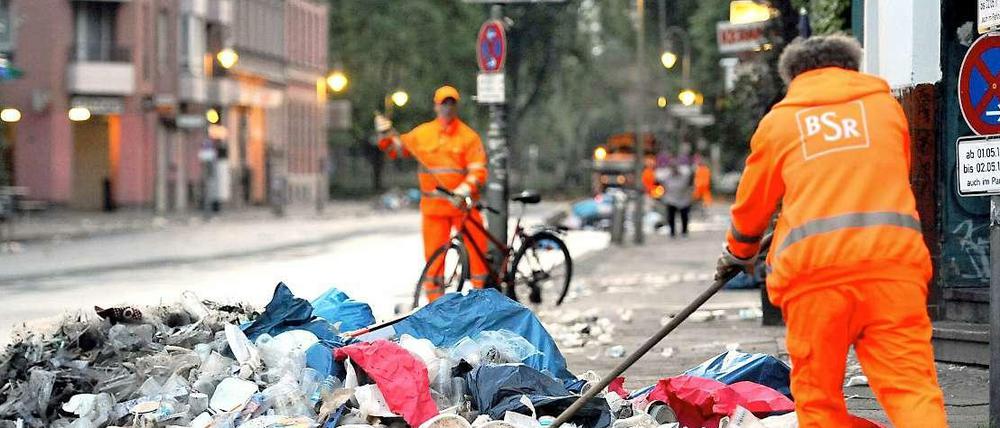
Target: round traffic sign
<point>491,46</point>
<point>979,86</point>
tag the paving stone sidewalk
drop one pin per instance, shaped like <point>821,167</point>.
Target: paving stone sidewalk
<point>645,283</point>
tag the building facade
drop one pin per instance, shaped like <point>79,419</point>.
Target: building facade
<point>116,99</point>
<point>918,47</point>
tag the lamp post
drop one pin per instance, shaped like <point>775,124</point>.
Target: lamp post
<point>227,58</point>
<point>337,81</point>
<point>397,99</point>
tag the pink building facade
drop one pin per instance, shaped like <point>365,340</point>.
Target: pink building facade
<point>115,99</point>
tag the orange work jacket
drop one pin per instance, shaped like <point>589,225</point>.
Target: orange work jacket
<point>835,154</point>
<point>448,155</point>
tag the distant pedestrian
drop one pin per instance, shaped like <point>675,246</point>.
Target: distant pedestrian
<point>677,178</point>
<point>702,182</point>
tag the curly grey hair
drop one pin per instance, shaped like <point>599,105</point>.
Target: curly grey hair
<point>802,55</point>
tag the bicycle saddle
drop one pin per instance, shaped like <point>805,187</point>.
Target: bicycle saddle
<point>527,197</point>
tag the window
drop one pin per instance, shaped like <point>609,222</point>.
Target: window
<point>184,54</point>
<point>147,58</point>
<point>162,40</point>
<point>95,32</point>
<point>6,27</point>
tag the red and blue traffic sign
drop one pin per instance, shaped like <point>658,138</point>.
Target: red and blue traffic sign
<point>979,86</point>
<point>491,47</point>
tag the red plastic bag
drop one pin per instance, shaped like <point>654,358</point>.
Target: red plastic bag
<point>618,387</point>
<point>701,402</point>
<point>400,376</point>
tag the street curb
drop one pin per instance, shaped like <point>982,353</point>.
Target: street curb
<point>163,262</point>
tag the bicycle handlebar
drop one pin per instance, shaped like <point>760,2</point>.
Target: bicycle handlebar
<point>477,205</point>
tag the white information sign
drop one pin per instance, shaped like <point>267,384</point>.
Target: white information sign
<point>987,15</point>
<point>978,165</point>
<point>491,88</point>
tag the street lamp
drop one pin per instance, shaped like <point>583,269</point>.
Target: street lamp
<point>399,98</point>
<point>337,81</point>
<point>212,116</point>
<point>669,56</point>
<point>600,153</point>
<point>79,114</point>
<point>690,97</point>
<point>10,115</point>
<point>661,102</point>
<point>228,58</point>
<point>668,59</point>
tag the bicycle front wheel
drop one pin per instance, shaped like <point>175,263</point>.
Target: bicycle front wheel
<point>543,268</point>
<point>453,263</point>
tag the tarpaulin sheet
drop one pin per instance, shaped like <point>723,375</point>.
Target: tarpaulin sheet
<point>735,366</point>
<point>457,315</point>
<point>400,376</point>
<point>497,389</point>
<point>336,306</point>
<point>700,402</point>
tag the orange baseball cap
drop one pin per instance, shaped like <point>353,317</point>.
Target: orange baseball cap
<point>444,93</point>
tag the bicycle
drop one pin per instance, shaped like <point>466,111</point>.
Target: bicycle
<point>542,262</point>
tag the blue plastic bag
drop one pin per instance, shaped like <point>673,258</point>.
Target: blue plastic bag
<point>736,366</point>
<point>498,389</point>
<point>286,312</point>
<point>335,306</point>
<point>457,315</point>
<point>283,312</point>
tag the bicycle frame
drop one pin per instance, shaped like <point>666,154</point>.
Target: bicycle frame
<point>496,277</point>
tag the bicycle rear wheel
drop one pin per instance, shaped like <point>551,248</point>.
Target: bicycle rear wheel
<point>543,268</point>
<point>455,261</point>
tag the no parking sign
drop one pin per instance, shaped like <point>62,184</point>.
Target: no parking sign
<point>491,46</point>
<point>979,86</point>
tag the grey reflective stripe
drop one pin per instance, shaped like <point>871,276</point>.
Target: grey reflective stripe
<point>739,237</point>
<point>442,170</point>
<point>830,224</point>
<point>434,195</point>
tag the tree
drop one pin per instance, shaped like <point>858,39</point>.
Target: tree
<point>564,71</point>
<point>416,46</point>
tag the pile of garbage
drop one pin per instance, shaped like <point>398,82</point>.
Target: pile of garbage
<point>470,360</point>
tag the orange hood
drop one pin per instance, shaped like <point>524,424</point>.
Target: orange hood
<point>831,85</point>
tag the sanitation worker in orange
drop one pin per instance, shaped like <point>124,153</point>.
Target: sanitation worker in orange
<point>848,265</point>
<point>451,155</point>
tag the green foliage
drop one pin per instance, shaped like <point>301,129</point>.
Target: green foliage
<point>827,16</point>
<point>414,45</point>
<point>563,99</point>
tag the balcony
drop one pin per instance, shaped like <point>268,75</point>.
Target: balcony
<point>100,69</point>
<point>193,88</point>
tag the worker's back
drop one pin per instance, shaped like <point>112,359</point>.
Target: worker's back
<point>839,143</point>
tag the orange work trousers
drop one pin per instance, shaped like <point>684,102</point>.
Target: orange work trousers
<point>887,323</point>
<point>703,194</point>
<point>437,232</point>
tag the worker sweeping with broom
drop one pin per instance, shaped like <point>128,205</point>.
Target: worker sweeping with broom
<point>848,265</point>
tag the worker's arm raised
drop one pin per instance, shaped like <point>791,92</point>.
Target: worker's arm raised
<point>760,190</point>
<point>389,141</point>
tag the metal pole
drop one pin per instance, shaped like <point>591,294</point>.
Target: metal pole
<point>994,311</point>
<point>206,188</point>
<point>497,189</point>
<point>640,147</point>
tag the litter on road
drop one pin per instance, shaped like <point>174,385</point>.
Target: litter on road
<point>470,360</point>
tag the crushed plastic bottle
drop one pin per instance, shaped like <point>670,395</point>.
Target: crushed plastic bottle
<point>40,385</point>
<point>125,337</point>
<point>617,351</point>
